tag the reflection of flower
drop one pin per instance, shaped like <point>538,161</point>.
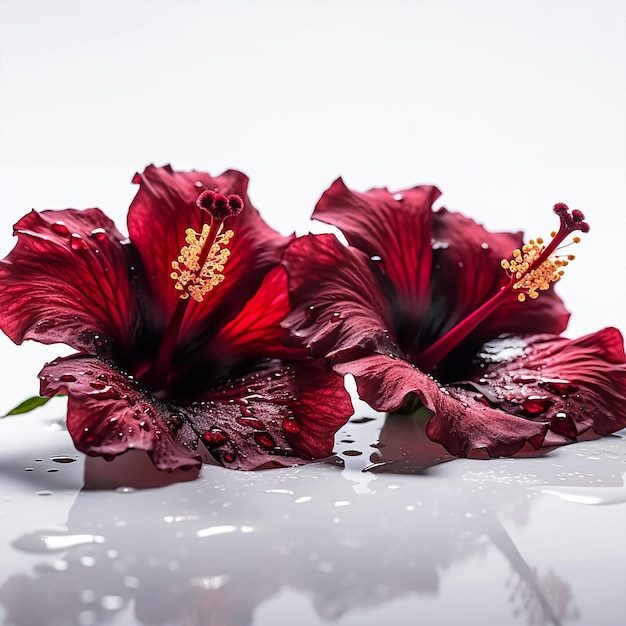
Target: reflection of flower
<point>421,293</point>
<point>172,557</point>
<point>177,328</point>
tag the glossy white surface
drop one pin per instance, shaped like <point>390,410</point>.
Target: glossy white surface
<point>512,541</point>
<point>508,107</point>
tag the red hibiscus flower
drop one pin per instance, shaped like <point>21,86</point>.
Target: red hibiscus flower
<point>429,305</point>
<point>177,327</point>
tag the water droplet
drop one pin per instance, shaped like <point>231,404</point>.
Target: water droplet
<point>97,385</point>
<point>398,197</point>
<point>60,228</point>
<point>125,489</point>
<point>52,470</point>
<point>561,387</point>
<point>309,311</point>
<point>99,234</point>
<point>560,415</point>
<point>63,459</point>
<point>352,453</point>
<point>77,243</point>
<point>44,493</point>
<point>361,420</point>
<point>335,317</point>
<point>534,405</point>
<point>376,258</point>
<point>144,425</point>
<point>265,440</point>
<point>67,378</point>
<point>29,469</point>
<point>484,245</point>
<point>229,457</point>
<point>291,425</point>
<point>215,437</point>
<point>198,184</point>
<point>251,422</point>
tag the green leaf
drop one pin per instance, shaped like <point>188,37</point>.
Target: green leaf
<point>28,405</point>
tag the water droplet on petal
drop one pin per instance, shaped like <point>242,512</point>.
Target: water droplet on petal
<point>251,422</point>
<point>265,440</point>
<point>335,317</point>
<point>60,228</point>
<point>291,425</point>
<point>67,378</point>
<point>215,437</point>
<point>535,405</point>
<point>97,385</point>
<point>99,234</point>
<point>561,387</point>
<point>77,243</point>
<point>144,425</point>
<point>310,311</point>
<point>229,457</point>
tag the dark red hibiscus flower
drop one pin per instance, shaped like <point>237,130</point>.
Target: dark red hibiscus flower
<point>176,327</point>
<point>426,304</point>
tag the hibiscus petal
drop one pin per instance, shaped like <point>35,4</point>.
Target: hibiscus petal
<point>467,272</point>
<point>283,414</point>
<point>108,413</point>
<point>460,424</point>
<point>395,227</point>
<point>256,331</point>
<point>337,303</point>
<point>165,206</point>
<point>67,280</point>
<point>574,385</point>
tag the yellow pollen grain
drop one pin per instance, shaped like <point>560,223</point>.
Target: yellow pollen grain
<point>193,280</point>
<point>530,278</point>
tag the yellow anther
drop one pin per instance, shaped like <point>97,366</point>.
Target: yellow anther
<point>530,278</point>
<point>196,281</point>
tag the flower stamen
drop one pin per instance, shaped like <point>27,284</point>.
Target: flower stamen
<point>530,270</point>
<point>191,278</point>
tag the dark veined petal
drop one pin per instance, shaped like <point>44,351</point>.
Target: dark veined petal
<point>459,422</point>
<point>108,413</point>
<point>165,206</point>
<point>393,226</point>
<point>282,414</point>
<point>574,385</point>
<point>66,280</point>
<point>336,300</point>
<point>256,332</point>
<point>467,272</point>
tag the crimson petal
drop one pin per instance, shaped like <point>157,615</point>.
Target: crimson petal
<point>573,385</point>
<point>459,422</point>
<point>108,413</point>
<point>337,303</point>
<point>165,206</point>
<point>283,414</point>
<point>67,280</point>
<point>395,227</point>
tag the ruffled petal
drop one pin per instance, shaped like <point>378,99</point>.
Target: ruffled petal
<point>542,390</point>
<point>67,280</point>
<point>282,414</point>
<point>337,302</point>
<point>459,422</point>
<point>573,385</point>
<point>164,207</point>
<point>108,413</point>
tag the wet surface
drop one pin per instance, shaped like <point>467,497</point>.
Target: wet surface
<point>388,528</point>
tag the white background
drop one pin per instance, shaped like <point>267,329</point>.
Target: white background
<point>508,107</point>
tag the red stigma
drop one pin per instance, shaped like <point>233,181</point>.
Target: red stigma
<point>218,205</point>
<point>570,221</point>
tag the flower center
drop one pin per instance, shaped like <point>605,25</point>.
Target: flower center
<point>197,270</point>
<point>530,270</point>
